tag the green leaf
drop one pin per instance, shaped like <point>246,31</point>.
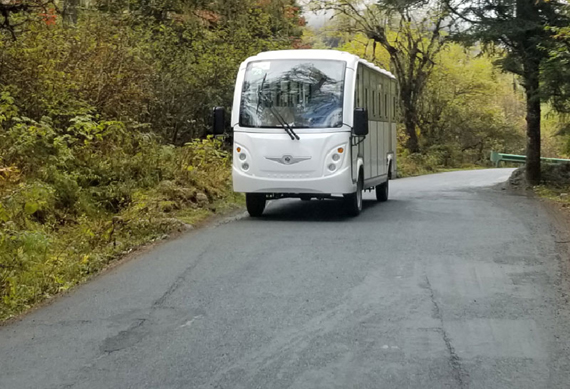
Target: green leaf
<point>4,217</point>
<point>31,207</point>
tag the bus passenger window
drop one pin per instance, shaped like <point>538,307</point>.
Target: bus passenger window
<point>357,92</point>
<point>379,104</point>
<point>380,100</point>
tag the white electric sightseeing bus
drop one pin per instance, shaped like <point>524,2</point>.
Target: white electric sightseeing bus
<point>312,124</point>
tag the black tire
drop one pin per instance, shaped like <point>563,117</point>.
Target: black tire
<point>306,198</point>
<point>255,204</point>
<point>353,201</point>
<point>382,191</point>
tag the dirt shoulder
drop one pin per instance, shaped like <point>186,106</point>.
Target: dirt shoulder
<point>554,197</point>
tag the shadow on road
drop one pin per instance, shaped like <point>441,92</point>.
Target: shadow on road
<point>330,210</point>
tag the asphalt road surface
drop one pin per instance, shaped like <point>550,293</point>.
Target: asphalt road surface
<point>453,283</point>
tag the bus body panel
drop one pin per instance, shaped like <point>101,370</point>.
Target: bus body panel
<point>340,183</point>
<point>375,92</point>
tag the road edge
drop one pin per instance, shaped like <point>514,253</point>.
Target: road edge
<point>213,221</point>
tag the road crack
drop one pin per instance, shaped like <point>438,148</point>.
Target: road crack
<point>141,328</point>
<point>125,339</point>
<point>459,374</point>
<point>178,281</point>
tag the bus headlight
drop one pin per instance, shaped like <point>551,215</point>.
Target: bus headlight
<point>335,159</point>
<point>242,158</point>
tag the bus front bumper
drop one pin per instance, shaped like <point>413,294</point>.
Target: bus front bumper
<point>338,183</point>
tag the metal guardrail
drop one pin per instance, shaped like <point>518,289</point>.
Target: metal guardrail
<point>497,158</point>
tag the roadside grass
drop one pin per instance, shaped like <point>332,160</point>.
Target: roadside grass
<point>458,169</point>
<point>554,193</point>
<point>555,186</point>
<point>194,217</point>
<point>411,168</point>
<point>437,159</point>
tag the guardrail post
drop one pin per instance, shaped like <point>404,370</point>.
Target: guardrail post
<point>495,158</point>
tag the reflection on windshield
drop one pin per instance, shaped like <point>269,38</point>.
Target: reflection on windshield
<point>304,93</point>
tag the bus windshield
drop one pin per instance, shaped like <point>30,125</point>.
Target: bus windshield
<point>294,93</point>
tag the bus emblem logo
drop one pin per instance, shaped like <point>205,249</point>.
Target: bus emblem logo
<point>288,159</point>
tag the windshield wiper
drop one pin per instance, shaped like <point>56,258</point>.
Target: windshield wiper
<point>286,126</point>
<point>269,103</point>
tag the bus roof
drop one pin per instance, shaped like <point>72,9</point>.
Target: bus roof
<point>318,54</point>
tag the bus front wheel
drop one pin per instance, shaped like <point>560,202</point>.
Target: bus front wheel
<point>353,201</point>
<point>255,203</point>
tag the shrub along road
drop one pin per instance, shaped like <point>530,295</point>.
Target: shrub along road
<point>452,284</point>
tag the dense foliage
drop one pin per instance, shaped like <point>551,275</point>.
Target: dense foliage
<point>556,68</point>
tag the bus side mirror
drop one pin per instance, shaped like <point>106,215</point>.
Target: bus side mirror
<point>360,122</point>
<point>219,120</point>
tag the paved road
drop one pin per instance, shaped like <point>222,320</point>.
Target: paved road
<point>452,284</point>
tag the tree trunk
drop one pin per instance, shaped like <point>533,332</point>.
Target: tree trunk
<point>409,117</point>
<point>412,143</point>
<point>533,119</point>
<point>70,11</point>
<point>526,11</point>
